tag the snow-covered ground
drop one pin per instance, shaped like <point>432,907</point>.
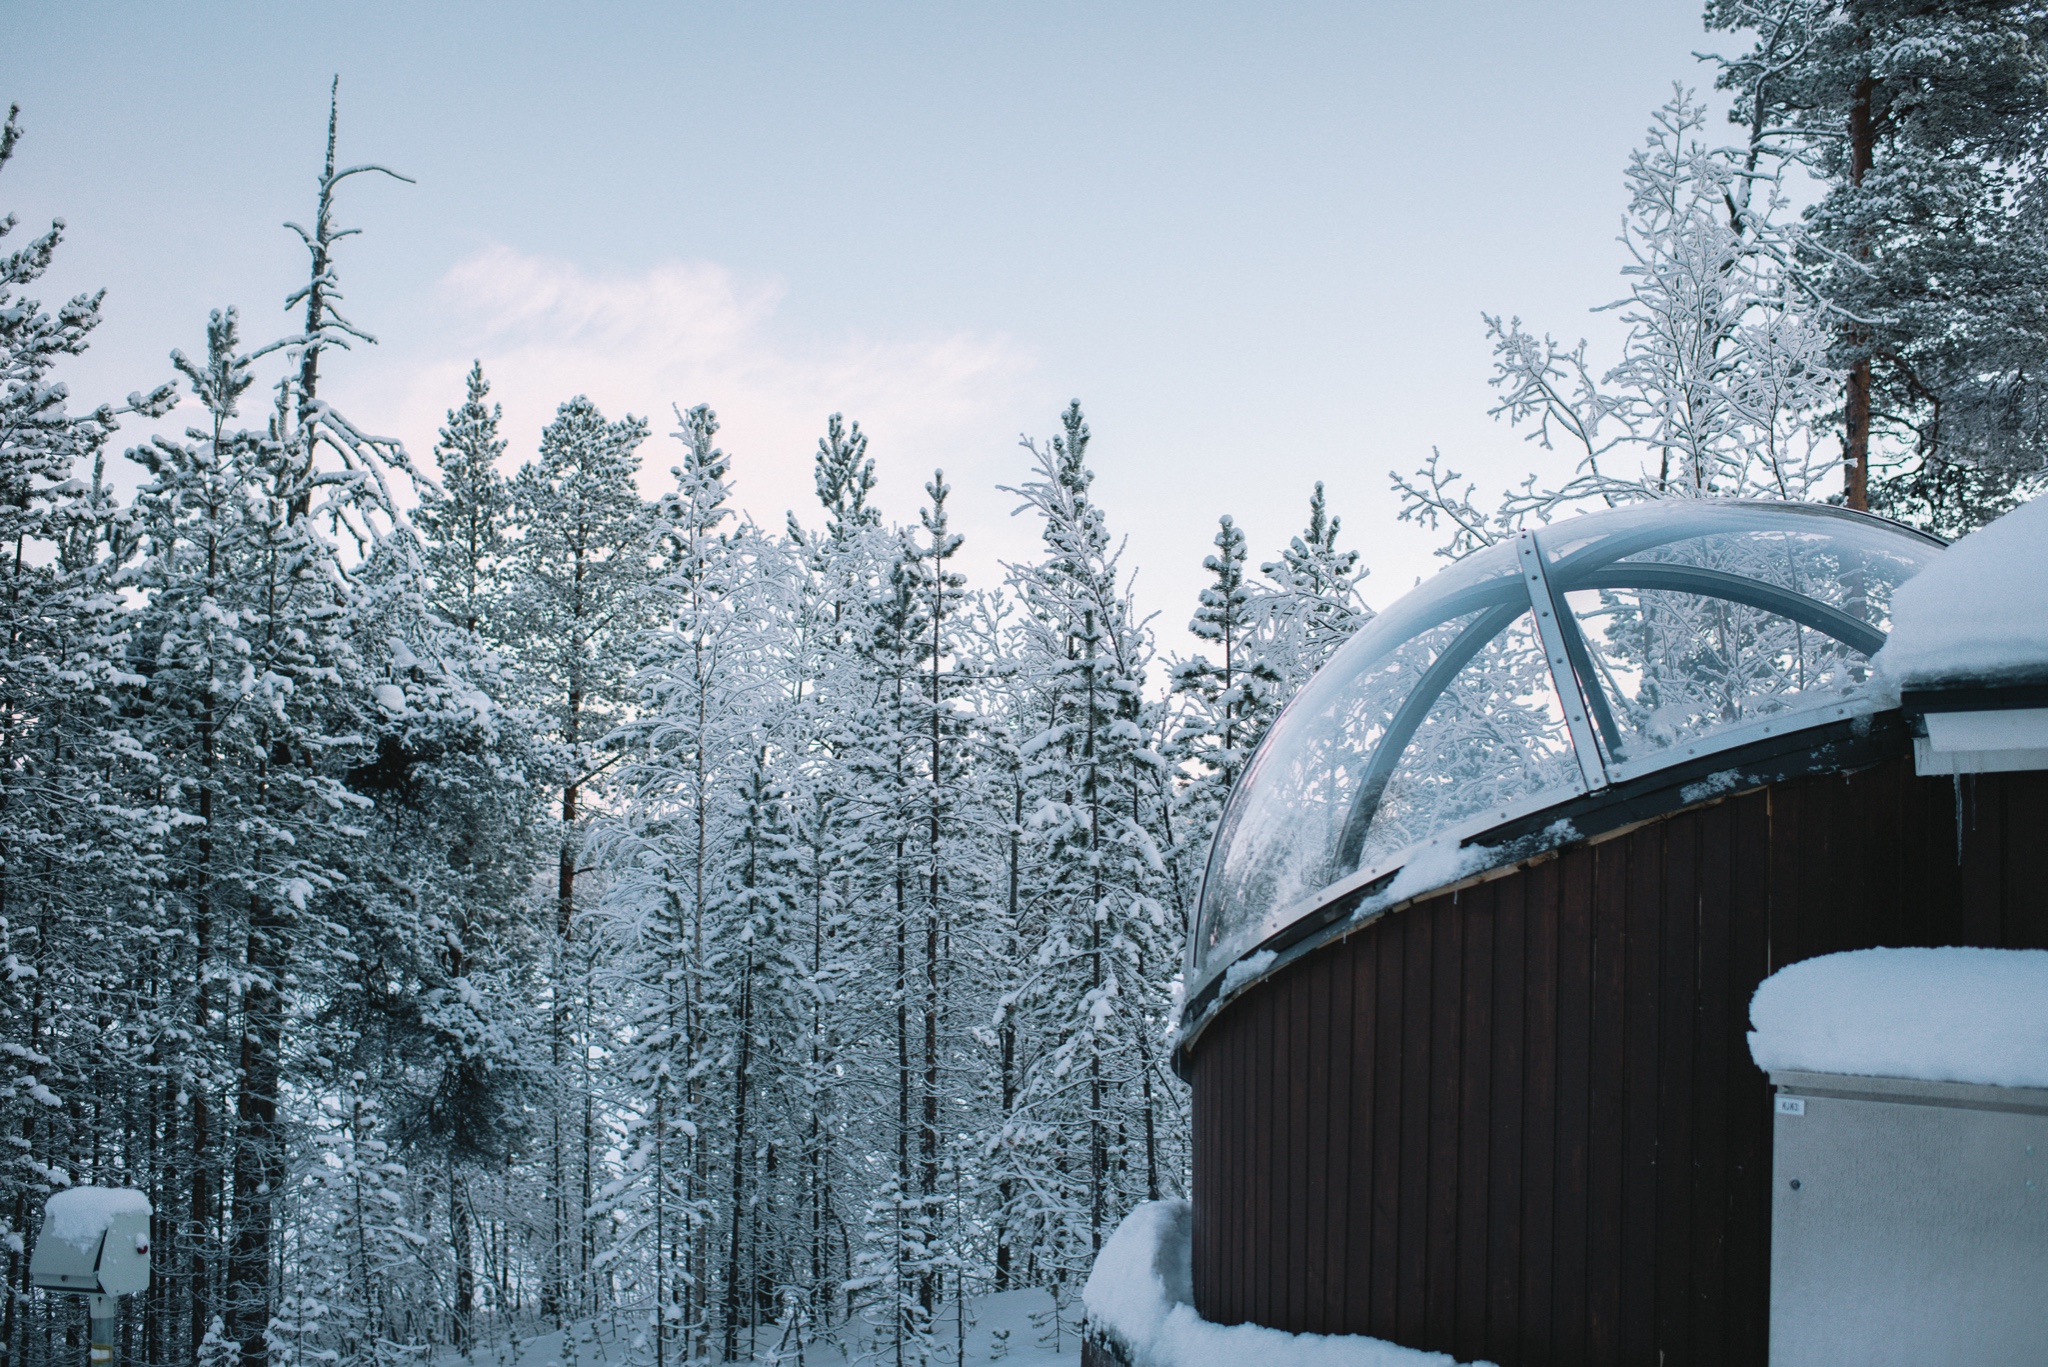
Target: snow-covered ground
<point>1011,1328</point>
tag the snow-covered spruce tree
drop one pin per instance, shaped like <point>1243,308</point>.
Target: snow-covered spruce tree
<point>442,929</point>
<point>1225,705</point>
<point>758,986</point>
<point>885,747</point>
<point>683,747</point>
<point>1310,600</point>
<point>1927,126</point>
<point>1723,378</point>
<point>77,856</point>
<point>465,519</point>
<point>1090,1131</point>
<point>584,562</point>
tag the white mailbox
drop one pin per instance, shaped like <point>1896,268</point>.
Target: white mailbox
<point>94,1240</point>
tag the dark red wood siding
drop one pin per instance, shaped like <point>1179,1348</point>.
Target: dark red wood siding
<point>1520,1121</point>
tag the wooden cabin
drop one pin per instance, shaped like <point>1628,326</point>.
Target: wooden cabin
<point>1470,981</point>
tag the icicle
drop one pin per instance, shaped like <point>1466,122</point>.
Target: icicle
<point>1958,780</point>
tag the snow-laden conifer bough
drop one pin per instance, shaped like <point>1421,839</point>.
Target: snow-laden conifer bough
<point>1140,1309</point>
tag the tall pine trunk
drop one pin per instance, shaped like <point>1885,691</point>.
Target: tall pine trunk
<point>742,1077</point>
<point>259,1138</point>
<point>464,1258</point>
<point>1856,408</point>
<point>555,1293</point>
<point>1006,1188</point>
<point>1098,1144</point>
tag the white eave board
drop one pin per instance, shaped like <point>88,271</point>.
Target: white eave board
<point>1985,742</point>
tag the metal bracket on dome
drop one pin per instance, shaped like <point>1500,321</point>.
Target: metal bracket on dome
<point>1562,677</point>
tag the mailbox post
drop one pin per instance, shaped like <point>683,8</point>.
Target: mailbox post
<point>95,1243</point>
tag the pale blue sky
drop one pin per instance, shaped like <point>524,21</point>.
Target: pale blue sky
<point>1253,239</point>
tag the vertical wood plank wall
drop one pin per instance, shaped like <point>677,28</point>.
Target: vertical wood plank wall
<point>1520,1122</point>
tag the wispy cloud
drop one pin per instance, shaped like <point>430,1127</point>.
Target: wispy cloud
<point>695,332</point>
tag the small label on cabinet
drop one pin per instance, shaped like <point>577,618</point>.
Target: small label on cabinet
<point>1791,1105</point>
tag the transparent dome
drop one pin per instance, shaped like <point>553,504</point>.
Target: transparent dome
<point>1577,656</point>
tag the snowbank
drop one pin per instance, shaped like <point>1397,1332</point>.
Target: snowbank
<point>1140,1292</point>
<point>79,1215</point>
<point>1979,612</point>
<point>1939,1015</point>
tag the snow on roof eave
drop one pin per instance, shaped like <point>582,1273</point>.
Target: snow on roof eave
<point>1979,613</point>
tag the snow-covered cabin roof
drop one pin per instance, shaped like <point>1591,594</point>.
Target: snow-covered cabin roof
<point>1979,616</point>
<point>1574,658</point>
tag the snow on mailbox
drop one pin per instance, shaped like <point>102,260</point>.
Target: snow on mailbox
<point>94,1240</point>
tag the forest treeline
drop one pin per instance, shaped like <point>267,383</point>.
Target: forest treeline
<point>482,895</point>
<point>546,903</point>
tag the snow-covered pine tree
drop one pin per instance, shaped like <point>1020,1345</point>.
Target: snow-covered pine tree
<point>1273,633</point>
<point>585,560</point>
<point>758,985</point>
<point>252,700</point>
<point>708,702</point>
<point>950,874</point>
<point>1723,377</point>
<point>1008,717</point>
<point>77,854</point>
<point>191,639</point>
<point>885,746</point>
<point>1098,1000</point>
<point>1310,601</point>
<point>1226,704</point>
<point>828,686</point>
<point>465,518</point>
<point>1927,125</point>
<point>308,424</point>
<point>458,781</point>
<point>442,928</point>
<point>314,469</point>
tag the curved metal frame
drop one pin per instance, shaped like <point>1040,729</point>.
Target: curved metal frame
<point>1380,769</point>
<point>1547,591</point>
<point>1598,565</point>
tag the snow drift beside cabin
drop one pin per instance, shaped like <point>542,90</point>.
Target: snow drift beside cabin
<point>1979,612</point>
<point>1140,1292</point>
<point>1938,1015</point>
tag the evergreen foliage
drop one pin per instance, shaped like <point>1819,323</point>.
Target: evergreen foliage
<point>1928,253</point>
<point>552,907</point>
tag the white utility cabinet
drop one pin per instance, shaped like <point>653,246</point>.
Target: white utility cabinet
<point>94,1240</point>
<point>1909,1223</point>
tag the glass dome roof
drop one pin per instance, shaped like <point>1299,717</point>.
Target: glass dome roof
<point>1577,656</point>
